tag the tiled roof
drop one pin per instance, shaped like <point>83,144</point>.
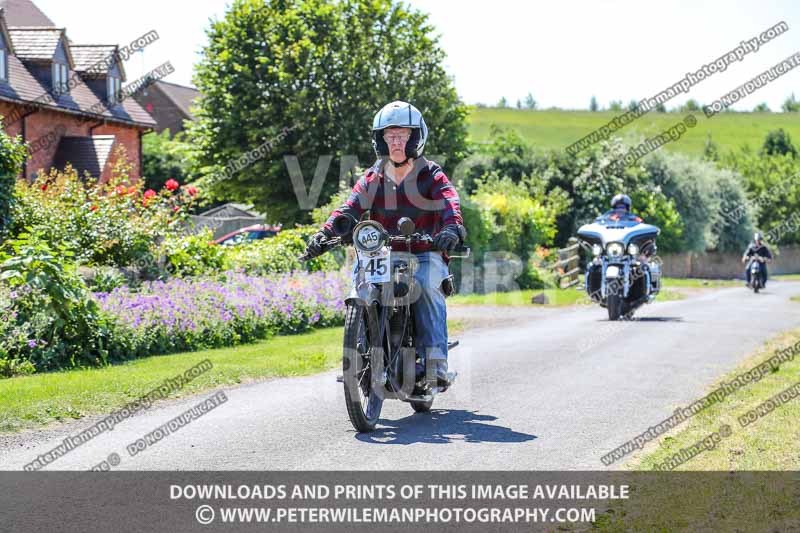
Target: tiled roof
<point>22,85</point>
<point>32,87</point>
<point>24,13</point>
<point>86,154</point>
<point>87,56</point>
<point>181,96</point>
<point>35,44</point>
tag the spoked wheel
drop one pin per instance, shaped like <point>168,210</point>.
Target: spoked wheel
<point>363,404</point>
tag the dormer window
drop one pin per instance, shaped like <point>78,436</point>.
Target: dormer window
<point>3,65</point>
<point>60,75</point>
<point>114,87</point>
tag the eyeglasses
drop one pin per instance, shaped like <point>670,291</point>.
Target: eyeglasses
<point>396,137</point>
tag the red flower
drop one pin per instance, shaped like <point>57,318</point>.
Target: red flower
<point>172,184</point>
<point>192,190</point>
<point>44,186</point>
<point>93,208</point>
<point>176,209</point>
<point>149,193</point>
<point>120,189</point>
<point>131,189</point>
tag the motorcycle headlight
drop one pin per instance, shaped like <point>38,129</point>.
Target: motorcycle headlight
<point>597,250</point>
<point>633,249</point>
<point>368,236</point>
<point>615,249</point>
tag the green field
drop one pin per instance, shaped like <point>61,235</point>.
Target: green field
<point>559,129</point>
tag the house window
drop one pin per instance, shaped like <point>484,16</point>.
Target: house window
<point>60,83</point>
<point>114,86</point>
<point>3,72</point>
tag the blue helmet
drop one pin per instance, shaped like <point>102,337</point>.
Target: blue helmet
<point>622,199</point>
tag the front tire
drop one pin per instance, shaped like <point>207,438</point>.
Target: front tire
<point>614,305</point>
<point>421,407</point>
<point>363,404</point>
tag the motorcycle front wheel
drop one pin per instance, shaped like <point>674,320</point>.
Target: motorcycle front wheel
<point>363,404</point>
<point>614,304</point>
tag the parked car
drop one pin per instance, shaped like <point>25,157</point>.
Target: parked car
<point>248,234</point>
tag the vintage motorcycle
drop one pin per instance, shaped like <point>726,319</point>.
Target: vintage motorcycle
<point>379,360</point>
<point>624,272</point>
<point>755,266</point>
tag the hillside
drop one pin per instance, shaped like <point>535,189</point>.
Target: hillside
<point>559,129</point>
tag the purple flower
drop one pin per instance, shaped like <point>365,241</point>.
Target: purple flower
<point>31,343</point>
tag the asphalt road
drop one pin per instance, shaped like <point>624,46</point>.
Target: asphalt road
<point>537,389</point>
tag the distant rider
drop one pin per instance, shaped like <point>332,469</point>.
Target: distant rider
<point>757,249</point>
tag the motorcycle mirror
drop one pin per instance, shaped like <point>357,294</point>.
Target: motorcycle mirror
<point>343,225</point>
<point>406,226</point>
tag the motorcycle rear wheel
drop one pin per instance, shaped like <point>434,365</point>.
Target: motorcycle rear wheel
<point>363,404</point>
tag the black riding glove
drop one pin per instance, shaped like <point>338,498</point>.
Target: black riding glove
<point>314,245</point>
<point>447,239</point>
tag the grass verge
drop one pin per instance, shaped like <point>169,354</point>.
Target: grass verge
<point>33,401</point>
<point>555,297</point>
<point>770,443</point>
<point>704,502</point>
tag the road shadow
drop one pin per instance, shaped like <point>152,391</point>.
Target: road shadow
<point>643,319</point>
<point>442,426</point>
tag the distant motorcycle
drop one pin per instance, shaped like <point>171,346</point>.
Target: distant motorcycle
<point>624,272</point>
<point>379,355</point>
<point>756,266</point>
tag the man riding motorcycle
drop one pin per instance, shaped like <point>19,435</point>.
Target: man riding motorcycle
<point>400,184</point>
<point>757,249</point>
<point>621,206</point>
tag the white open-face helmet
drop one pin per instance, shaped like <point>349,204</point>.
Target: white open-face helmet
<point>399,115</point>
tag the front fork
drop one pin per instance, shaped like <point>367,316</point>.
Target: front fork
<point>625,274</point>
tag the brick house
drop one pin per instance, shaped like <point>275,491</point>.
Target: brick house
<point>169,104</point>
<point>63,98</point>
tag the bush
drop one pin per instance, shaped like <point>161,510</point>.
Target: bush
<point>12,157</point>
<point>106,279</point>
<point>279,254</point>
<point>101,224</point>
<point>55,322</point>
<point>192,255</point>
<point>772,185</point>
<point>706,197</point>
<point>164,158</point>
<point>505,216</point>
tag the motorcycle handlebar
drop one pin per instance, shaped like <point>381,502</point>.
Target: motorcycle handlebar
<point>424,238</point>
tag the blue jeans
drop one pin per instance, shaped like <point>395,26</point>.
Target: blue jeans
<point>430,310</point>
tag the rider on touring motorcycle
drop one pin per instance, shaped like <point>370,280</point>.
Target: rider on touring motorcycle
<point>758,249</point>
<point>400,184</point>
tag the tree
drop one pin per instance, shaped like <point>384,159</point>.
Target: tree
<point>284,79</point>
<point>778,142</point>
<point>593,105</point>
<point>710,150</point>
<point>661,108</point>
<point>690,106</point>
<point>164,158</point>
<point>791,105</point>
<point>519,104</point>
<point>633,105</point>
<point>762,108</point>
<point>530,103</point>
<point>503,102</point>
<point>615,105</point>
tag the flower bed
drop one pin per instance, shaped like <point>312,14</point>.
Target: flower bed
<point>192,314</point>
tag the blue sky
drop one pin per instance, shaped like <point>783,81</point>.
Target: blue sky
<point>562,51</point>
